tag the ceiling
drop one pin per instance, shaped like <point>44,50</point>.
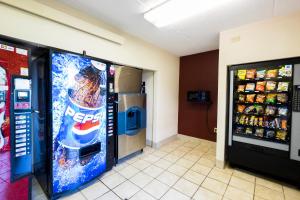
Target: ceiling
<point>194,35</point>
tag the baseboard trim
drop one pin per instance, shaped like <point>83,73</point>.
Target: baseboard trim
<point>167,140</point>
<point>220,164</point>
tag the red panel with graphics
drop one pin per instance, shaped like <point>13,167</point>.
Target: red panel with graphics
<point>13,61</point>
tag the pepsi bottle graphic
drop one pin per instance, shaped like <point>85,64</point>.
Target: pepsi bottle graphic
<point>84,110</point>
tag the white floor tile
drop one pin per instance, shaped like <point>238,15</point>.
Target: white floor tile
<point>141,179</point>
<point>156,189</point>
<point>168,178</point>
<point>108,196</point>
<point>186,187</point>
<point>126,190</point>
<point>153,171</point>
<point>141,195</point>
<point>174,195</point>
<point>94,191</point>
<point>129,171</point>
<point>113,180</point>
<point>178,170</point>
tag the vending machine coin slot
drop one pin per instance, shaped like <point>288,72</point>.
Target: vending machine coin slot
<point>296,98</point>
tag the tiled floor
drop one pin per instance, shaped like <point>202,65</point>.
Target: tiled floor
<point>180,170</point>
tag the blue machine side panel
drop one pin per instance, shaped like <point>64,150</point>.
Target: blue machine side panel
<point>131,125</point>
<point>79,119</point>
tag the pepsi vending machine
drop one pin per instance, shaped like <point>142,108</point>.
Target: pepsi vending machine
<point>15,123</point>
<point>81,131</point>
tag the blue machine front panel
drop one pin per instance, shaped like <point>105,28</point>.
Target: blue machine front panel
<point>79,119</point>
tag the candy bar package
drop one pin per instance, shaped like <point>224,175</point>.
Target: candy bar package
<point>260,98</point>
<point>241,108</point>
<point>242,98</point>
<point>271,98</point>
<point>242,74</point>
<point>260,74</point>
<point>283,87</point>
<point>281,135</point>
<point>248,131</point>
<point>271,85</point>
<point>282,98</point>
<point>250,87</point>
<point>260,86</point>
<point>259,132</point>
<point>283,111</point>
<point>270,110</point>
<point>241,88</point>
<point>272,73</point>
<point>270,134</point>
<point>250,98</point>
<point>286,70</point>
<point>250,74</point>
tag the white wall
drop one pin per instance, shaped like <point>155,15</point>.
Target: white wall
<point>148,78</point>
<point>134,52</point>
<point>266,40</point>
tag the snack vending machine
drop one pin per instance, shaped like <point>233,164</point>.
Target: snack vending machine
<point>263,126</point>
<point>15,123</point>
<point>79,147</point>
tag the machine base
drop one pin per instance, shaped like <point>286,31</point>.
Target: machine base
<point>268,161</point>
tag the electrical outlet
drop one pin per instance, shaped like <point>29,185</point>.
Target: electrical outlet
<point>215,130</point>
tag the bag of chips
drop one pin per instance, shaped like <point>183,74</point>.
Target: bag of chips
<point>270,110</point>
<point>251,122</point>
<point>277,123</point>
<point>260,98</point>
<point>281,135</point>
<point>250,98</point>
<point>259,109</point>
<point>260,86</point>
<point>242,120</point>
<point>242,98</point>
<point>239,130</point>
<point>271,98</point>
<point>283,111</point>
<point>242,74</point>
<point>248,131</point>
<point>270,134</point>
<point>255,123</point>
<point>283,86</point>
<point>284,124</point>
<point>260,74</point>
<point>241,88</point>
<point>282,98</point>
<point>250,73</point>
<point>259,132</point>
<point>260,122</point>
<point>272,73</point>
<point>249,110</point>
<point>241,108</point>
<point>250,87</point>
<point>286,70</point>
<point>271,85</point>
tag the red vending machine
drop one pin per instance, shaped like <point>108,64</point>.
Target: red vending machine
<point>15,123</point>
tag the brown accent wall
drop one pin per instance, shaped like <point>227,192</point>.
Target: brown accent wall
<point>198,72</point>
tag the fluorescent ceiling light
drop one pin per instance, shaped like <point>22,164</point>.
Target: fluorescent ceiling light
<point>176,10</point>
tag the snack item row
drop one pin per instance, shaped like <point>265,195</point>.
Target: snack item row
<point>260,132</point>
<point>263,98</point>
<point>262,86</point>
<point>259,109</point>
<point>283,71</point>
<point>262,121</point>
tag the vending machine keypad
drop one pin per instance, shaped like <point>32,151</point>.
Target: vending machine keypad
<point>296,98</point>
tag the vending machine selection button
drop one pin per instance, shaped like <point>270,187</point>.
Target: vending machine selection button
<point>20,149</point>
<point>21,131</point>
<point>21,145</point>
<point>20,154</point>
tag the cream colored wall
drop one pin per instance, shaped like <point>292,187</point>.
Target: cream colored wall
<point>266,40</point>
<point>134,52</point>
